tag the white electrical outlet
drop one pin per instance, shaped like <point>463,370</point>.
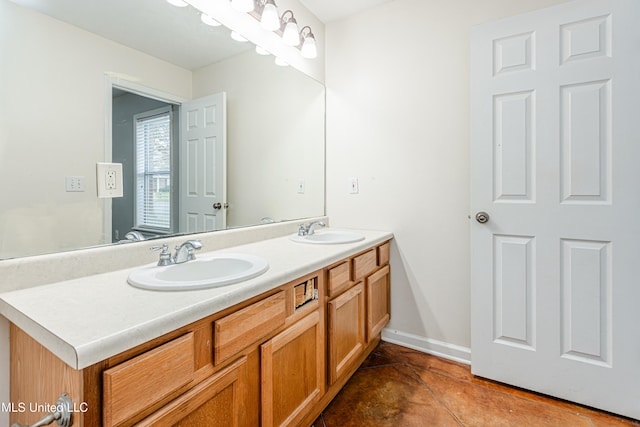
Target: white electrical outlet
<point>301,186</point>
<point>74,183</point>
<point>353,186</point>
<point>109,179</point>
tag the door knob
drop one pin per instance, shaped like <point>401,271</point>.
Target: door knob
<point>217,206</point>
<point>482,217</point>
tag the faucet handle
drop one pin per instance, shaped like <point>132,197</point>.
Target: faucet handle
<point>165,255</point>
<point>164,247</point>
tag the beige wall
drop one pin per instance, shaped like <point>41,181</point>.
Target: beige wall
<point>398,119</point>
<point>52,84</point>
<point>275,137</point>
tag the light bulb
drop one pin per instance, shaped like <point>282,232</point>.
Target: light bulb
<point>262,51</point>
<point>209,20</point>
<point>242,5</point>
<point>178,3</point>
<point>237,37</point>
<point>309,49</point>
<point>270,20</point>
<point>290,34</point>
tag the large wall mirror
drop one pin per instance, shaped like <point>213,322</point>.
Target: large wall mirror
<point>78,75</point>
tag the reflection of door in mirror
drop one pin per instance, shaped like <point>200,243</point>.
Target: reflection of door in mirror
<point>203,154</point>
<point>144,131</point>
<point>174,164</point>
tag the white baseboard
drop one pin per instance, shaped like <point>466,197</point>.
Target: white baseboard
<point>453,352</point>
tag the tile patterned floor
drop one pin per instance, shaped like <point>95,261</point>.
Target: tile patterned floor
<point>397,386</point>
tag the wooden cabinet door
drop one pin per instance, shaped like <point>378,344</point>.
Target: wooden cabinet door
<point>216,402</point>
<point>293,366</point>
<point>378,301</point>
<point>346,338</point>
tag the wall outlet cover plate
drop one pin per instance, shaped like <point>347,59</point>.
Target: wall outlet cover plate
<point>109,180</point>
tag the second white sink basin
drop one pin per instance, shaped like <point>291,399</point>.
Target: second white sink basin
<point>201,273</point>
<point>329,237</point>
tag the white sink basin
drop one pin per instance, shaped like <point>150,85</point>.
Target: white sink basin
<point>329,237</point>
<point>201,273</point>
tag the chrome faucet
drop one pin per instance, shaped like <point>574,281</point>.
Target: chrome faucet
<point>184,252</point>
<point>134,236</point>
<point>308,230</point>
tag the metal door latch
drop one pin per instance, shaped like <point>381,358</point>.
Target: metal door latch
<point>62,415</point>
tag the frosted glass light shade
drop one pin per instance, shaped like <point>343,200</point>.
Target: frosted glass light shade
<point>242,5</point>
<point>309,49</point>
<point>290,34</point>
<point>209,20</point>
<point>237,37</point>
<point>270,20</point>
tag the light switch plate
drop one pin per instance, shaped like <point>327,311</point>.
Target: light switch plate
<point>354,188</point>
<point>109,179</point>
<point>74,183</point>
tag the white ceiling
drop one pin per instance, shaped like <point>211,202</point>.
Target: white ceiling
<point>335,10</point>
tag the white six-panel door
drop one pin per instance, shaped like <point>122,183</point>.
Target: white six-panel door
<point>203,163</point>
<point>555,148</point>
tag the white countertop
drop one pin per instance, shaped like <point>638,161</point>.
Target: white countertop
<point>86,320</point>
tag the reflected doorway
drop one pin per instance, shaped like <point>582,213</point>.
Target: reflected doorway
<point>145,135</point>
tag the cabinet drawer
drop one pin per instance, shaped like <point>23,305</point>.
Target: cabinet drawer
<point>383,254</point>
<point>138,383</point>
<point>364,264</point>
<point>217,401</point>
<point>236,331</point>
<point>339,278</point>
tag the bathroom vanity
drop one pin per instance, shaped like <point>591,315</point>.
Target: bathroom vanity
<point>273,350</point>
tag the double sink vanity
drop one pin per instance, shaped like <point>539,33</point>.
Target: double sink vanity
<point>268,339</point>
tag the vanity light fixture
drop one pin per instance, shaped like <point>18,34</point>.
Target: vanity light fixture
<point>243,5</point>
<point>309,49</point>
<point>178,3</point>
<point>281,62</point>
<point>262,51</point>
<point>269,20</point>
<point>237,37</point>
<point>290,34</point>
<point>209,20</point>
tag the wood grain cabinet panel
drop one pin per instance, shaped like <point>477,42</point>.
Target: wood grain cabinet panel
<point>216,402</point>
<point>292,367</point>
<point>339,278</point>
<point>134,385</point>
<point>236,331</point>
<point>364,264</point>
<point>378,301</point>
<point>384,254</point>
<point>346,339</point>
